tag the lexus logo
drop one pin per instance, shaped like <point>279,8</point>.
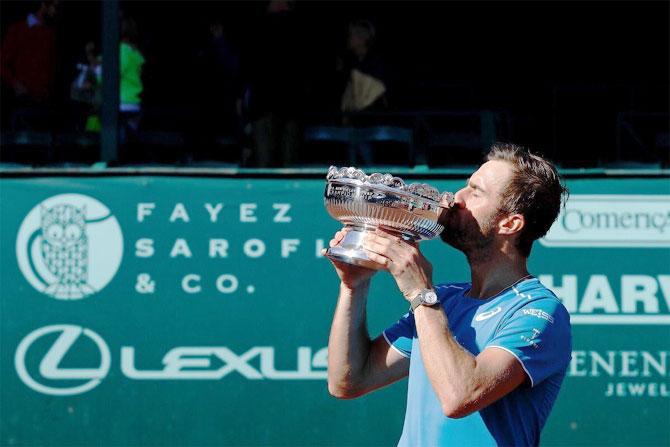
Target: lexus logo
<point>45,358</point>
<point>49,367</point>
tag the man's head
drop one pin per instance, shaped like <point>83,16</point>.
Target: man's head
<point>47,10</point>
<point>129,31</point>
<point>513,198</point>
<point>361,37</point>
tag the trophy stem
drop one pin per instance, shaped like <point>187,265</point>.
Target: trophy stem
<point>350,249</point>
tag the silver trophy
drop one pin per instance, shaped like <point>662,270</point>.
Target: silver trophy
<point>366,202</point>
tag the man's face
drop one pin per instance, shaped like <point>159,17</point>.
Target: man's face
<point>50,10</point>
<point>470,225</point>
<point>357,42</point>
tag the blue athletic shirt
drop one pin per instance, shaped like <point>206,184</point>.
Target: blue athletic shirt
<point>526,320</point>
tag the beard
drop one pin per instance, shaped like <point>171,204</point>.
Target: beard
<point>463,232</point>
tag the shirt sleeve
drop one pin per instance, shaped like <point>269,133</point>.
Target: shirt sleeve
<point>538,335</point>
<point>400,334</point>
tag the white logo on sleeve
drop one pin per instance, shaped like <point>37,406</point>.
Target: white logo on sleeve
<point>488,314</point>
<point>69,246</point>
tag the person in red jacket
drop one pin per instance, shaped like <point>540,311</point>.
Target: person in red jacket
<point>28,55</point>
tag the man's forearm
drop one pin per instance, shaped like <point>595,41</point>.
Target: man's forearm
<point>451,369</point>
<point>349,342</point>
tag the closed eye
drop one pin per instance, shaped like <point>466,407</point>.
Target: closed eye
<point>476,188</point>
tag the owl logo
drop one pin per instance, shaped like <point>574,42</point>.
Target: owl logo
<point>69,247</point>
<point>64,249</point>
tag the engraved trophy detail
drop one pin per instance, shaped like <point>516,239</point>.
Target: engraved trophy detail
<point>364,203</point>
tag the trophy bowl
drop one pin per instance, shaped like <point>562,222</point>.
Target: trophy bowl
<point>364,203</point>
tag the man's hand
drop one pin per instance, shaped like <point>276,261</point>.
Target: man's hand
<point>410,269</point>
<point>351,276</point>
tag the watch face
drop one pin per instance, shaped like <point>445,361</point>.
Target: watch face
<point>430,297</point>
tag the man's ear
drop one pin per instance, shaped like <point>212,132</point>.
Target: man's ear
<point>511,224</point>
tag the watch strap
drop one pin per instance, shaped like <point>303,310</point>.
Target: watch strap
<point>416,302</point>
<point>419,299</point>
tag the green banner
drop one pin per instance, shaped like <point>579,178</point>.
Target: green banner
<point>196,310</point>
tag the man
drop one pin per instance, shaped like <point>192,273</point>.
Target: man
<point>485,359</point>
<point>276,78</point>
<point>365,87</point>
<point>131,87</point>
<point>29,54</point>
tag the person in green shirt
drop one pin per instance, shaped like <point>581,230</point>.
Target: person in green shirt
<point>130,78</point>
<point>131,62</point>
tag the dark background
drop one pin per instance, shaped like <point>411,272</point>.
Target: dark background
<point>564,71</point>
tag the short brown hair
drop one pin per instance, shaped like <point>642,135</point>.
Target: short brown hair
<point>536,191</point>
<point>363,28</point>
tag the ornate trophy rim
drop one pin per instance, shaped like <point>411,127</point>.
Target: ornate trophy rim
<point>389,183</point>
<point>365,202</point>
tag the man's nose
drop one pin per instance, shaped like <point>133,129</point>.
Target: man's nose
<point>459,198</point>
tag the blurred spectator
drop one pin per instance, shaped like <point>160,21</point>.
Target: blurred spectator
<point>86,87</point>
<point>365,85</point>
<point>28,65</point>
<point>276,82</point>
<point>86,91</point>
<point>366,88</point>
<point>130,79</point>
<point>219,71</point>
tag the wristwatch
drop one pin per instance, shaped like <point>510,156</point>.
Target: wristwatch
<point>426,297</point>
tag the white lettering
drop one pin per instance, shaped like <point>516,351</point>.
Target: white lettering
<point>320,245</point>
<point>143,210</point>
<point>186,283</point>
<point>144,248</point>
<point>664,281</point>
<point>629,364</point>
<point>218,247</point>
<point>598,295</point>
<point>578,361</point>
<point>620,363</point>
<point>178,359</point>
<point>213,211</point>
<point>660,366</point>
<point>625,389</point>
<point>227,283</point>
<point>289,246</point>
<point>639,288</point>
<point>180,248</point>
<point>321,358</point>
<point>282,210</point>
<point>247,212</point>
<point>194,363</point>
<point>254,248</point>
<point>597,360</point>
<point>636,389</point>
<point>179,212</point>
<point>303,371</point>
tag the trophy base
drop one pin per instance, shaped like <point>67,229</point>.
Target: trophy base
<point>350,250</point>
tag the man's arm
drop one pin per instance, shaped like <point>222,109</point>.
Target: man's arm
<point>463,383</point>
<point>357,365</point>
